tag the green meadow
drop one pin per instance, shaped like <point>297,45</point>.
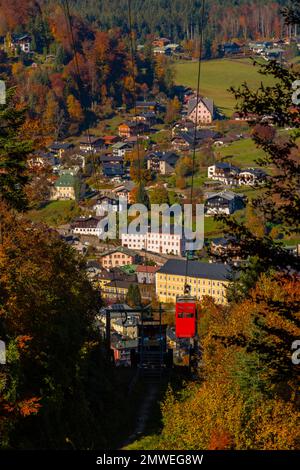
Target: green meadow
<point>217,76</point>
<point>242,153</point>
<point>55,213</point>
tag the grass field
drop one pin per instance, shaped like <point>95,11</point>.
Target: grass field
<point>242,153</point>
<point>217,76</point>
<point>55,213</point>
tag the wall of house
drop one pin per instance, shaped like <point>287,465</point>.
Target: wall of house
<point>62,193</point>
<point>169,286</point>
<point>203,115</point>
<point>116,259</point>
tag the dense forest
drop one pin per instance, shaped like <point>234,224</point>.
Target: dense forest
<point>179,19</point>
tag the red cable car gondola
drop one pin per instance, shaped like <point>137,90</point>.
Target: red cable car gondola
<point>186,317</point>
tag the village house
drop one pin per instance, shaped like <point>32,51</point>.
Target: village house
<point>162,162</point>
<point>173,48</point>
<point>231,175</point>
<point>148,118</point>
<point>224,172</point>
<point>105,204</point>
<point>59,148</point>
<point>201,112</point>
<point>146,106</point>
<point>113,169</point>
<point>222,246</point>
<point>105,277</point>
<point>117,257</point>
<point>88,226</point>
<point>91,144</point>
<point>161,51</point>
<point>19,41</point>
<point>43,160</point>
<point>186,140</point>
<point>160,42</point>
<point>124,191</point>
<point>182,126</point>
<point>205,279</point>
<point>110,158</point>
<point>109,140</point>
<point>67,186</point>
<point>146,274</point>
<point>251,176</point>
<point>120,149</point>
<point>230,48</point>
<point>132,128</point>
<point>129,328</point>
<point>224,202</point>
<point>246,117</point>
<point>156,242</point>
<point>116,290</point>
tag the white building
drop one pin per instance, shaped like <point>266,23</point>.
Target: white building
<point>157,242</point>
<point>88,226</point>
<point>223,172</point>
<point>202,112</point>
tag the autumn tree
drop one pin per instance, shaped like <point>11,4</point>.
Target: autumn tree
<point>173,110</point>
<point>133,297</point>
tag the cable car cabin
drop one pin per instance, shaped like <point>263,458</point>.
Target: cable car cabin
<point>186,317</point>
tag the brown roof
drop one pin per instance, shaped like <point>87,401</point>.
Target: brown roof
<point>147,269</point>
<point>89,222</point>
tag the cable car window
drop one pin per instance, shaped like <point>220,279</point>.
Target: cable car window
<point>189,315</point>
<point>180,315</point>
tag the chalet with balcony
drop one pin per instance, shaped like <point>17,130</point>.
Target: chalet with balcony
<point>224,172</point>
<point>162,162</point>
<point>224,202</point>
<point>91,144</point>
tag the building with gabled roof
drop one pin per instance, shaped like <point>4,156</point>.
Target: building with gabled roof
<point>88,226</point>
<point>201,113</point>
<point>67,186</point>
<point>223,202</point>
<point>116,257</point>
<point>162,162</point>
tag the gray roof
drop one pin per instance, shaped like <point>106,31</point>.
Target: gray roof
<point>121,249</point>
<point>254,171</point>
<point>206,101</point>
<point>214,271</point>
<point>226,166</point>
<point>169,157</point>
<point>201,134</point>
<point>128,185</point>
<point>121,145</point>
<point>228,195</point>
<point>61,145</point>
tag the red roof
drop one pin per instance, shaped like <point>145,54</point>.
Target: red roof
<point>147,269</point>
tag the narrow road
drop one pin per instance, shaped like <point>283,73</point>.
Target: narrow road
<point>143,414</point>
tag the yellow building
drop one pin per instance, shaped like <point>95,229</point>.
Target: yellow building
<point>205,279</point>
<point>64,188</point>
<point>115,290</point>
